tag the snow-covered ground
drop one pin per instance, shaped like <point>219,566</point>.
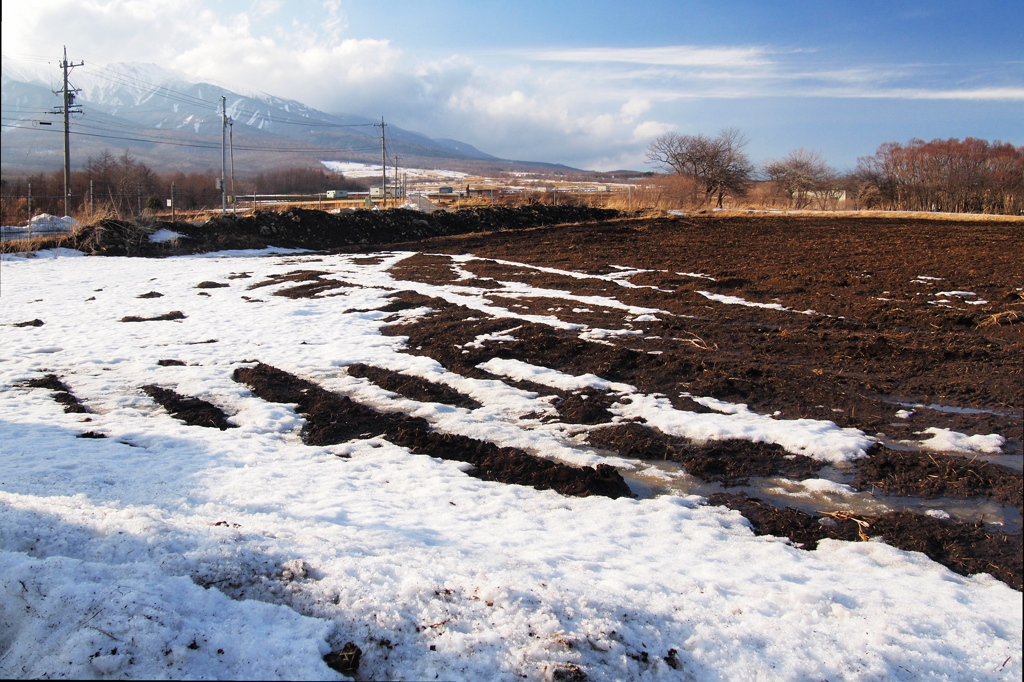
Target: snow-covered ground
<point>41,225</point>
<point>175,551</point>
<point>354,169</point>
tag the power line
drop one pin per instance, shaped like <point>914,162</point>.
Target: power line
<point>202,145</point>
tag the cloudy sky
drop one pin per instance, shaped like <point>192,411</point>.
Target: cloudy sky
<point>588,84</point>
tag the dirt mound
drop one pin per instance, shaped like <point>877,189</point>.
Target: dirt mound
<point>333,418</point>
<point>165,317</point>
<point>61,393</point>
<point>412,387</point>
<point>921,474</point>
<point>191,410</point>
<point>312,287</point>
<point>312,229</point>
<point>731,462</point>
<point>965,548</point>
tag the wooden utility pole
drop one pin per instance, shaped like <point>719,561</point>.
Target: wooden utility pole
<point>67,108</point>
<point>223,153</point>
<point>383,165</point>
<point>231,152</point>
<point>395,193</point>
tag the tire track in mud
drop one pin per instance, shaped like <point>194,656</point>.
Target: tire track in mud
<point>333,418</point>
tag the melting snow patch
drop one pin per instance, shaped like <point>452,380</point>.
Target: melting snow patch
<point>522,371</point>
<point>819,439</point>
<point>164,235</point>
<point>736,300</point>
<point>952,441</point>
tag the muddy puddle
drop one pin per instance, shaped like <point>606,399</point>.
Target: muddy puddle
<point>824,494</point>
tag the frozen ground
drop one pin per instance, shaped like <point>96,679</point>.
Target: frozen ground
<point>172,551</point>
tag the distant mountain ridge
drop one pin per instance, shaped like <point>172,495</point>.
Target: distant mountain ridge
<point>170,122</point>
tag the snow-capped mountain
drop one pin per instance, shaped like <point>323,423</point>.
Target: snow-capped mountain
<point>156,111</point>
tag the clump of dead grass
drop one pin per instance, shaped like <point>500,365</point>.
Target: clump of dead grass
<point>1007,317</point>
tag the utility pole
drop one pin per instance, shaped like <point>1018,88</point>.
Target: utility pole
<point>383,165</point>
<point>223,153</point>
<point>67,108</point>
<point>231,147</point>
<point>395,193</point>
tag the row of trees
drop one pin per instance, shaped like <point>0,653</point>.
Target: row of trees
<point>972,175</point>
<point>942,175</point>
<point>123,186</point>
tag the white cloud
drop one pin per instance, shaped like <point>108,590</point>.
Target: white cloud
<point>595,106</point>
<point>672,55</point>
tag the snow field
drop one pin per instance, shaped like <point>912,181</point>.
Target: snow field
<point>163,535</point>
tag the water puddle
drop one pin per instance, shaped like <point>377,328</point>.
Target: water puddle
<point>828,493</point>
<point>950,409</point>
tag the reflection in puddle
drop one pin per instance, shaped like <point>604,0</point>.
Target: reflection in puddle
<point>828,493</point>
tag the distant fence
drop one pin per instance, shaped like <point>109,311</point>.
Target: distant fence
<point>43,225</point>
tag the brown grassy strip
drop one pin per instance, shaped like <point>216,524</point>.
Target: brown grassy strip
<point>333,418</point>
<point>965,548</point>
<point>193,411</point>
<point>61,393</point>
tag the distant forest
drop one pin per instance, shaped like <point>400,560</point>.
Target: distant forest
<point>125,187</point>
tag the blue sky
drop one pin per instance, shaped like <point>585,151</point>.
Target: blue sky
<point>591,83</point>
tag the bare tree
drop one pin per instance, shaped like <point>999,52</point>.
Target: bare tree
<point>719,166</point>
<point>804,177</point>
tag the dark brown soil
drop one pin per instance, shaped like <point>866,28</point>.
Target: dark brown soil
<point>922,474</point>
<point>150,294</point>
<point>314,284</point>
<point>333,418</point>
<point>212,285</point>
<point>345,660</point>
<point>962,547</point>
<point>445,335</point>
<point>30,323</point>
<point>169,362</point>
<point>193,411</point>
<point>731,462</point>
<point>876,341</point>
<point>412,387</point>
<point>584,407</point>
<point>61,393</point>
<point>173,315</point>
